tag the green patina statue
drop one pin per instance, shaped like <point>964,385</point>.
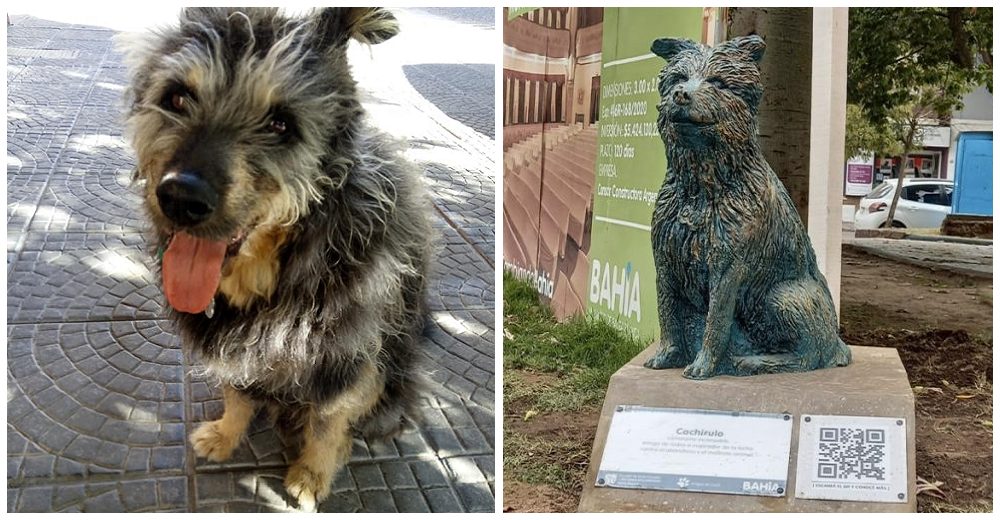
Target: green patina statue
<point>738,288</point>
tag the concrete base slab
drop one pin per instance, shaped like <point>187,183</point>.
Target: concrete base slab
<point>875,384</point>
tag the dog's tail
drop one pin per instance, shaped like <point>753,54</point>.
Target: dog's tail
<point>841,355</point>
<point>399,404</point>
<point>394,411</point>
<point>401,361</point>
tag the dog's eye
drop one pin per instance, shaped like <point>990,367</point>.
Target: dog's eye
<point>277,126</point>
<point>677,77</point>
<point>716,82</point>
<point>281,124</point>
<point>177,100</point>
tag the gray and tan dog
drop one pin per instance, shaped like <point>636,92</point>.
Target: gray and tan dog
<point>294,238</point>
<point>738,288</point>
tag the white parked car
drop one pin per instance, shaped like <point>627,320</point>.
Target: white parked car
<point>923,204</point>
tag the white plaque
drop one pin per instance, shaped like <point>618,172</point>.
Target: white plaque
<point>708,451</point>
<point>858,459</point>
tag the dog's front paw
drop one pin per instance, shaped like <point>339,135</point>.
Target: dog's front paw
<point>666,357</point>
<point>213,442</point>
<point>701,368</point>
<point>307,486</point>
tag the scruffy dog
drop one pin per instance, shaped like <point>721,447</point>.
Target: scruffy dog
<point>294,238</point>
<point>738,288</point>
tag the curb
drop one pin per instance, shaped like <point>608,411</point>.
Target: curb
<point>956,240</point>
<point>897,234</point>
<point>957,269</point>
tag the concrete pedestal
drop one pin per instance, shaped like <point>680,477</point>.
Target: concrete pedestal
<point>875,384</point>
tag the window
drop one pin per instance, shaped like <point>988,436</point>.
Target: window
<point>880,191</point>
<point>937,194</point>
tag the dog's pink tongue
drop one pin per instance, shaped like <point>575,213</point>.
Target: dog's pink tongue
<point>192,268</point>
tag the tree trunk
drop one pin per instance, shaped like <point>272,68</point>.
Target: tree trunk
<point>786,73</point>
<point>960,52</point>
<point>911,131</point>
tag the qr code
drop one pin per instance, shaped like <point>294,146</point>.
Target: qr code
<point>851,453</point>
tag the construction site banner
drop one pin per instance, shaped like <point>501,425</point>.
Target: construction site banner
<point>551,86</point>
<point>514,12</point>
<point>631,162</point>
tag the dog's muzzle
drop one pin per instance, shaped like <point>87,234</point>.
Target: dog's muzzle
<point>185,198</point>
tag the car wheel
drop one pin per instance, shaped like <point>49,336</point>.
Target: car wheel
<point>895,224</point>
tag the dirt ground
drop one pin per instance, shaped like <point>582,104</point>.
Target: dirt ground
<point>941,324</point>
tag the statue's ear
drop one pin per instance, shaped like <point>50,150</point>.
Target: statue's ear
<point>371,25</point>
<point>753,45</point>
<point>667,48</point>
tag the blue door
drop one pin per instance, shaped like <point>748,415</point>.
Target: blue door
<point>974,174</point>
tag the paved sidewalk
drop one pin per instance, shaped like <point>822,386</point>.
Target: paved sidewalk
<point>100,396</point>
<point>967,259</point>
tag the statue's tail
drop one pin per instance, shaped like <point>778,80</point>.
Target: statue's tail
<point>841,355</point>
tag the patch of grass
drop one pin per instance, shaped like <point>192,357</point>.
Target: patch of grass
<point>938,506</point>
<point>583,387</point>
<point>584,351</point>
<point>535,461</point>
<point>515,387</point>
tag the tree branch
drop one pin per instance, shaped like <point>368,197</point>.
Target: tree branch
<point>912,53</point>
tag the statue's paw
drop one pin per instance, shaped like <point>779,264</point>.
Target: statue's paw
<point>669,358</point>
<point>700,369</point>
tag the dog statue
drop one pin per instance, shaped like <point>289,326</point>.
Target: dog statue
<point>738,289</point>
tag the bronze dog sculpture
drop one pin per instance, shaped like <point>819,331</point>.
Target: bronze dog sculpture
<point>738,288</point>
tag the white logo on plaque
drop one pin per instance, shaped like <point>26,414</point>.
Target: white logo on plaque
<point>706,451</point>
<point>859,459</point>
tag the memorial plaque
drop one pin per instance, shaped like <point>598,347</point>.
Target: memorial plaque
<point>860,459</point>
<point>707,451</point>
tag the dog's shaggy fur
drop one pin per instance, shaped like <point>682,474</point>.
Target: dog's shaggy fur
<point>737,284</point>
<point>320,296</point>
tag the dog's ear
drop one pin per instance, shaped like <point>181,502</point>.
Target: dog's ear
<point>371,25</point>
<point>667,48</point>
<point>197,14</point>
<point>753,45</point>
<point>136,47</point>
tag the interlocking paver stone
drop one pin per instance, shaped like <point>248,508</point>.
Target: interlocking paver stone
<point>101,282</point>
<point>101,397</point>
<point>34,153</point>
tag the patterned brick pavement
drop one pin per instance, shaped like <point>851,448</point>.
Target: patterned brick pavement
<point>100,395</point>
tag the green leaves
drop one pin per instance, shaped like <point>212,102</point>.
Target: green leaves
<point>863,136</point>
<point>927,58</point>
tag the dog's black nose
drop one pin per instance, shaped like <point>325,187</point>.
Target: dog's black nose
<point>681,95</point>
<point>186,198</point>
